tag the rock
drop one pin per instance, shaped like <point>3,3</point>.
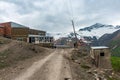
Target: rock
<point>21,68</point>
<point>89,71</point>
<point>2,61</point>
<point>4,56</point>
<point>113,73</point>
<point>95,71</point>
<point>102,72</point>
<point>77,61</point>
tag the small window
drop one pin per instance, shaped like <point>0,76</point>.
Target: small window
<point>102,54</point>
<point>20,39</point>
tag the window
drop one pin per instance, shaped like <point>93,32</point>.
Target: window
<point>20,39</point>
<point>102,54</point>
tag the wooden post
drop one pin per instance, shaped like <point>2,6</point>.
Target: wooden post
<point>75,44</point>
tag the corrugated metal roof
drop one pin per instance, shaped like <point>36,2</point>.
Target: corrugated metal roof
<point>16,25</point>
<point>99,47</point>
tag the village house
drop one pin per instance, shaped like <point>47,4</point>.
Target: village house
<point>36,39</point>
<point>101,57</point>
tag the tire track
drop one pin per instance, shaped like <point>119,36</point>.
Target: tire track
<point>32,69</point>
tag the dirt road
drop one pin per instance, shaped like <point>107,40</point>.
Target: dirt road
<point>52,67</point>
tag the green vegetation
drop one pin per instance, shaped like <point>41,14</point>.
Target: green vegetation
<point>116,63</point>
<point>4,41</point>
<point>114,42</point>
<point>112,78</point>
<point>116,51</point>
<point>3,65</point>
<point>115,45</point>
<point>115,59</point>
<point>85,66</point>
<point>3,56</point>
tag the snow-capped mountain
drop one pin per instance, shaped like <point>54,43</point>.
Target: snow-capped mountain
<point>97,30</point>
<point>95,26</point>
<point>58,35</point>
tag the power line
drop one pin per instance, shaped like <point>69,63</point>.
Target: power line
<point>67,6</point>
<point>70,10</point>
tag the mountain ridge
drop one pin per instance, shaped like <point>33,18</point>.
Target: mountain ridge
<point>97,26</point>
<point>96,29</point>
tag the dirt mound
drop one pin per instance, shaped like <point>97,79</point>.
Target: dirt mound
<point>15,51</point>
<point>83,68</point>
<point>4,41</point>
<point>80,64</point>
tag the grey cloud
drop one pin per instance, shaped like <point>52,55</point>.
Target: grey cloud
<point>55,16</point>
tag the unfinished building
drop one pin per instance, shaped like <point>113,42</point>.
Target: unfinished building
<point>20,32</point>
<point>17,31</point>
<point>1,30</point>
<point>37,32</point>
<point>6,29</point>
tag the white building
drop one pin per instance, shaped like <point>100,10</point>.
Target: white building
<point>36,39</point>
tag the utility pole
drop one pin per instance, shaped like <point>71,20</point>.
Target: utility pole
<point>75,45</point>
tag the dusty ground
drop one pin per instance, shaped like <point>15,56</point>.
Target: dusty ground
<point>23,61</point>
<point>84,69</point>
<point>52,67</point>
<point>80,64</point>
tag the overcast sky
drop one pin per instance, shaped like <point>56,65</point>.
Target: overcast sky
<point>55,15</point>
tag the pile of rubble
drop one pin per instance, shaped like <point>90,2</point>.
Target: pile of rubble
<point>101,74</point>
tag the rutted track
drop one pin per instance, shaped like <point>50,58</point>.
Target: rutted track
<point>52,67</point>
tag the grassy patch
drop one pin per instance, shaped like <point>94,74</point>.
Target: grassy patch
<point>114,42</point>
<point>112,79</point>
<point>116,50</point>
<point>3,56</point>
<point>116,63</point>
<point>4,41</point>
<point>3,65</point>
<point>85,66</point>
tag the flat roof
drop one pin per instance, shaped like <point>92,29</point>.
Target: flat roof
<point>37,30</point>
<point>99,47</point>
<point>16,25</point>
<point>30,35</point>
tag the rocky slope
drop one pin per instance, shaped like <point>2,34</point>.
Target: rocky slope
<point>107,38</point>
<point>113,41</point>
